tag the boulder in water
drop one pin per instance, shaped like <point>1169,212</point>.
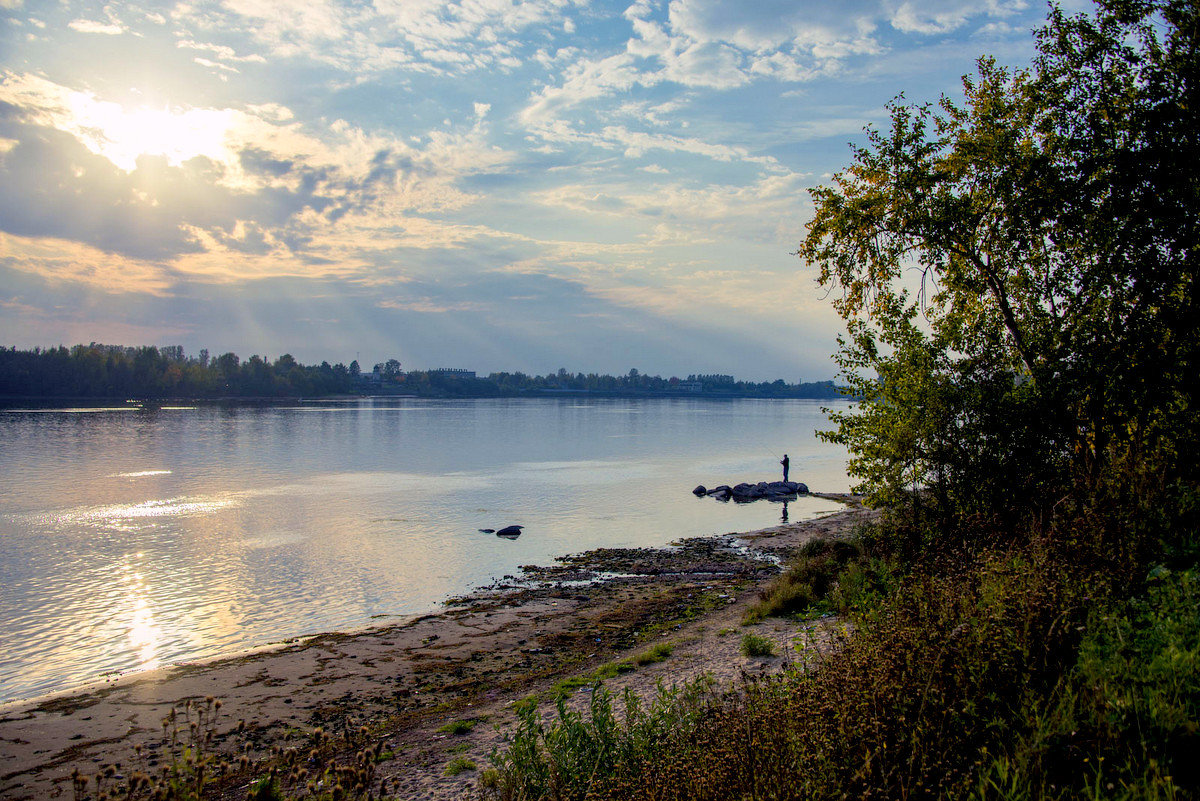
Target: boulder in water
<point>744,492</point>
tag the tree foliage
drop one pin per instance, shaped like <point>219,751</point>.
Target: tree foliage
<point>1017,270</point>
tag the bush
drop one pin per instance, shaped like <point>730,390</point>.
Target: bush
<point>577,752</point>
<point>825,576</point>
<point>929,680</point>
<point>1124,722</point>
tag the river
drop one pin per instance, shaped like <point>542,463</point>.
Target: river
<point>132,538</point>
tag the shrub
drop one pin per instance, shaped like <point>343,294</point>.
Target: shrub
<point>825,576</point>
<point>575,753</point>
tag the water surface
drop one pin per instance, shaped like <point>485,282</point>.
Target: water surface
<point>133,538</point>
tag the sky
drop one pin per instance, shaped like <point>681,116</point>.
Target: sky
<point>481,184</point>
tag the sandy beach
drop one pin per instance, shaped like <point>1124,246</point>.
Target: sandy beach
<point>395,686</point>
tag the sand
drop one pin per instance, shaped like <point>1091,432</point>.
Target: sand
<point>397,685</point>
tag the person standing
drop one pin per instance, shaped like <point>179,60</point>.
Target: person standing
<point>786,464</point>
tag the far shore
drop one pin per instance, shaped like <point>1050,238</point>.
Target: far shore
<point>398,683</point>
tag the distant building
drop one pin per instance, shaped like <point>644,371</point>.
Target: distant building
<point>450,372</point>
<point>691,386</point>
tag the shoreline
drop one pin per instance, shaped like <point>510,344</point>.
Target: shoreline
<point>105,682</point>
<point>399,682</point>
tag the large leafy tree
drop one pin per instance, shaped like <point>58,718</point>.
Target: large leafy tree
<point>1017,271</point>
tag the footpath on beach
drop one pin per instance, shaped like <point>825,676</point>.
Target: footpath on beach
<point>459,671</point>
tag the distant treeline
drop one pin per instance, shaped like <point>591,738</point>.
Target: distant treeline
<point>114,371</point>
<point>632,383</point>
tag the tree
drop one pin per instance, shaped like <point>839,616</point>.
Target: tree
<point>1018,271</point>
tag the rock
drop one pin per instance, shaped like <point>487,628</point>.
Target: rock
<point>510,532</point>
<point>487,531</point>
<point>746,492</point>
<point>700,490</point>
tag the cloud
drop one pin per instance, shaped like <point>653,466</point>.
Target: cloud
<point>221,53</point>
<point>586,79</point>
<point>684,59</point>
<point>61,261</point>
<point>420,35</point>
<point>724,45</point>
<point>767,210</point>
<point>289,24</point>
<point>701,45</point>
<point>428,305</point>
<point>772,24</point>
<point>204,62</point>
<point>942,16</point>
<point>207,184</point>
<point>637,142</point>
<point>91,26</point>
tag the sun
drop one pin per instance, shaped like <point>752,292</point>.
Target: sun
<point>122,135</point>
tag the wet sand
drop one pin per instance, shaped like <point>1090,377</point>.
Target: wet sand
<point>396,685</point>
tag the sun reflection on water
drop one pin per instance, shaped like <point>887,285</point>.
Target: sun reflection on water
<point>144,634</point>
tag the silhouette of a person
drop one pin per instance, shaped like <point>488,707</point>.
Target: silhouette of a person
<point>786,464</point>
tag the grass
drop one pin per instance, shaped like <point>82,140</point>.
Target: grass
<point>459,765</point>
<point>457,727</point>
<point>659,652</point>
<point>754,645</point>
<point>609,670</point>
